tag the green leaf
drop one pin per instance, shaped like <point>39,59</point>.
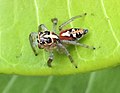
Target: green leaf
<point>20,18</point>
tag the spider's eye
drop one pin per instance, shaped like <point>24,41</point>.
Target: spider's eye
<point>48,40</point>
<point>47,32</point>
<point>38,41</point>
<point>42,43</point>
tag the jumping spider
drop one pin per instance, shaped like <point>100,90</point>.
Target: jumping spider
<point>48,40</point>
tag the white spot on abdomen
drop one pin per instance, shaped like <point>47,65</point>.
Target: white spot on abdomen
<point>65,34</point>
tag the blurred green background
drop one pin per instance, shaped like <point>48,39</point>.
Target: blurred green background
<point>104,81</point>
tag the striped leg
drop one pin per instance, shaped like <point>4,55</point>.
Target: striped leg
<point>54,21</point>
<point>50,59</point>
<point>42,27</point>
<point>78,44</point>
<point>32,40</point>
<point>70,20</point>
<point>68,54</point>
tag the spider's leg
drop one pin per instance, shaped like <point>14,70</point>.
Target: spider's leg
<point>78,44</point>
<point>70,20</point>
<point>67,53</point>
<point>33,43</point>
<point>50,59</point>
<point>54,21</point>
<point>42,27</point>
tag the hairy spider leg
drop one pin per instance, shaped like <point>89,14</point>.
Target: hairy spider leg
<point>70,20</point>
<point>78,44</point>
<point>42,28</point>
<point>54,21</point>
<point>50,59</point>
<point>33,43</point>
<point>67,53</point>
<point>33,38</point>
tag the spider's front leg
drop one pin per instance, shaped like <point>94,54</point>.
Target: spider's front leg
<point>67,53</point>
<point>42,28</point>
<point>33,41</point>
<point>50,59</point>
<point>33,37</point>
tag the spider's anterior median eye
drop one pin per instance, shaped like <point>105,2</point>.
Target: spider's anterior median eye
<point>49,40</point>
<point>42,43</point>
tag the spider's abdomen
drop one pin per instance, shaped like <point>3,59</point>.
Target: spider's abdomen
<point>72,34</point>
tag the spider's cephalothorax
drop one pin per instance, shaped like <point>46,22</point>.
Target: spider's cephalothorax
<point>49,41</point>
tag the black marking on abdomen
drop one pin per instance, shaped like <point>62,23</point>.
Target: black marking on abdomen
<point>78,35</point>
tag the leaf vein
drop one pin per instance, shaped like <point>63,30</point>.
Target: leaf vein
<point>109,23</point>
<point>37,12</point>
